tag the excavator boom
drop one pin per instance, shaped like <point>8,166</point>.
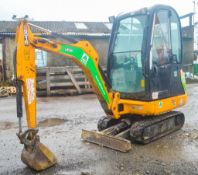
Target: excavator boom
<point>35,154</point>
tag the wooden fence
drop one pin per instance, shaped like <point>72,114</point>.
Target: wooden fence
<point>62,80</point>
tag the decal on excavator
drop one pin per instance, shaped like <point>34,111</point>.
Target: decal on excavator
<point>85,59</point>
<point>30,90</point>
<point>183,79</point>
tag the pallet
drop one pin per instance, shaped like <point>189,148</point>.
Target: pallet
<point>11,90</point>
<point>7,90</point>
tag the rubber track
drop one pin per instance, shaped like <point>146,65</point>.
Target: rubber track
<point>152,128</point>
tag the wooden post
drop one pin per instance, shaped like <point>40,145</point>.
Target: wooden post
<point>73,81</point>
<point>48,80</point>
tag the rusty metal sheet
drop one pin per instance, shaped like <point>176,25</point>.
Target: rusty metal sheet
<point>113,142</point>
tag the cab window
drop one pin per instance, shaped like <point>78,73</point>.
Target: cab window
<point>175,37</point>
<point>126,72</point>
<point>161,44</point>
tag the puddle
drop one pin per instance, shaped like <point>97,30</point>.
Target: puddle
<point>7,125</point>
<point>51,122</point>
<point>180,145</point>
<point>4,125</point>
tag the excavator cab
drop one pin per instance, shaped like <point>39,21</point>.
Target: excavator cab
<point>145,74</point>
<point>145,54</point>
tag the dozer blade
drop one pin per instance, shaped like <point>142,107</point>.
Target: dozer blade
<point>114,137</point>
<point>101,138</point>
<point>38,158</point>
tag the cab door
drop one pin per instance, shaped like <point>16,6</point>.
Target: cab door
<point>165,55</point>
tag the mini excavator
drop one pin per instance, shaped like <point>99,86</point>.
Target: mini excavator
<point>144,81</point>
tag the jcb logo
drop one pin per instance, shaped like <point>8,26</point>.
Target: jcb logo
<point>25,30</point>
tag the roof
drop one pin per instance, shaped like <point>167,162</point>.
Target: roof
<point>64,27</point>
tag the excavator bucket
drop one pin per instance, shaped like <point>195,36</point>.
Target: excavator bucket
<point>38,158</point>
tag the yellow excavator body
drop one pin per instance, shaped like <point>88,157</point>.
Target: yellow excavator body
<point>138,105</point>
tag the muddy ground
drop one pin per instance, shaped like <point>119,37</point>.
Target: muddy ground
<point>173,154</point>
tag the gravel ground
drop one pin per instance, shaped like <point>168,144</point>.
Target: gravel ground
<point>171,155</point>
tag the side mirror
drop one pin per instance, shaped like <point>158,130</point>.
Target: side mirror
<point>111,19</point>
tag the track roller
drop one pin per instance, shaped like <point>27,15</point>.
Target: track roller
<point>106,122</point>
